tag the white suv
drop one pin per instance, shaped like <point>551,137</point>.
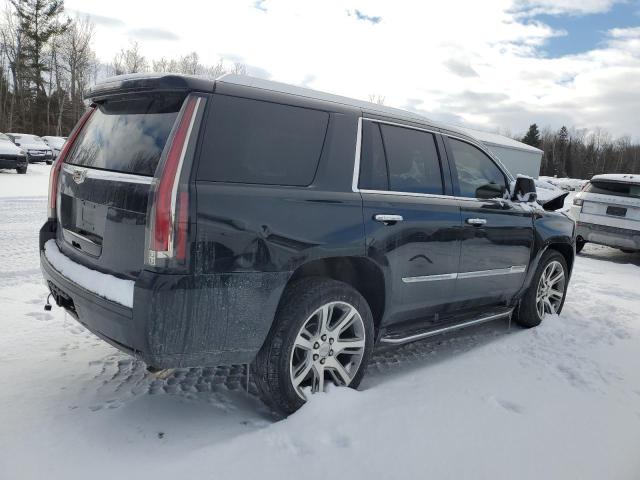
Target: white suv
<point>607,212</point>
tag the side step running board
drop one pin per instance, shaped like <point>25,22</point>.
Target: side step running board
<point>397,340</point>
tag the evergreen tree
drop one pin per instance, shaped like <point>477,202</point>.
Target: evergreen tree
<point>533,136</point>
<point>38,21</point>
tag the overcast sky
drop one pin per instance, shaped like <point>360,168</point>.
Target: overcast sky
<point>494,64</point>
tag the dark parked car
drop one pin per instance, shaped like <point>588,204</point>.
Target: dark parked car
<point>197,222</point>
<point>12,156</point>
<point>36,148</point>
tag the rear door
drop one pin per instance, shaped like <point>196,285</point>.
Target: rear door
<point>411,224</point>
<point>105,182</point>
<point>497,235</point>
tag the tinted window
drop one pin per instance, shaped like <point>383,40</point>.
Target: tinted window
<point>251,141</point>
<point>127,135</point>
<point>373,166</point>
<point>478,175</point>
<point>614,188</point>
<point>412,158</point>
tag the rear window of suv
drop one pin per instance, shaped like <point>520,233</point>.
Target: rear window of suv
<point>253,141</point>
<point>127,135</point>
<point>614,188</point>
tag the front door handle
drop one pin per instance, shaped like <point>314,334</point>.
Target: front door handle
<point>387,219</point>
<point>476,222</point>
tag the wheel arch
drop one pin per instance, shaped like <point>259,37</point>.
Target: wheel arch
<point>359,272</point>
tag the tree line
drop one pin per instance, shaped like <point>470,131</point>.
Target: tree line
<point>47,62</point>
<point>578,153</point>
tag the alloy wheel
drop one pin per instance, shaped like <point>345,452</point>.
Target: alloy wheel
<point>550,289</point>
<point>329,346</point>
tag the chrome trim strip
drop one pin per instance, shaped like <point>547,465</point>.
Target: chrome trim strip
<point>412,194</point>
<point>493,272</point>
<point>80,237</point>
<point>463,275</point>
<point>356,163</point>
<point>430,278</point>
<point>108,175</point>
<point>431,333</point>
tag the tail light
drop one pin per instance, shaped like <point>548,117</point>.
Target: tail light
<point>168,213</point>
<point>54,174</point>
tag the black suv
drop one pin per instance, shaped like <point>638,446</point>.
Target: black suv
<point>196,222</point>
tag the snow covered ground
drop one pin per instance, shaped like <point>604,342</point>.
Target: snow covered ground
<point>561,401</point>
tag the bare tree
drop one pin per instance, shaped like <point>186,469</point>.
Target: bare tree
<point>129,60</point>
<point>375,98</point>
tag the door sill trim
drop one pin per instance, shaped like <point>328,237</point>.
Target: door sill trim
<point>438,331</point>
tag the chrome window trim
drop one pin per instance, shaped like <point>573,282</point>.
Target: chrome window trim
<point>358,152</point>
<point>463,275</point>
<point>491,156</point>
<point>108,174</point>
<point>356,163</point>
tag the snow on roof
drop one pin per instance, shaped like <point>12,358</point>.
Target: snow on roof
<point>499,140</point>
<point>618,177</point>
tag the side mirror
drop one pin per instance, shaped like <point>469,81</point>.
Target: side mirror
<point>524,190</point>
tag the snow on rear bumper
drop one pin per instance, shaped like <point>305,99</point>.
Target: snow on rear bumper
<point>106,286</point>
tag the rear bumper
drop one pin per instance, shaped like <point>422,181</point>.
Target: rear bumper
<point>176,320</point>
<point>609,236</point>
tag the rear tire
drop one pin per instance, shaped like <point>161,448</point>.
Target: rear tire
<point>579,245</point>
<point>322,332</point>
<point>21,170</point>
<point>546,293</point>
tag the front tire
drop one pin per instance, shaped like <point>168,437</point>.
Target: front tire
<point>323,333</point>
<point>547,291</point>
<point>580,243</point>
<point>21,170</point>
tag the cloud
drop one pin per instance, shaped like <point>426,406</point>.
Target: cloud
<point>460,68</point>
<point>153,34</point>
<point>485,68</point>
<point>559,7</point>
<point>259,5</point>
<point>367,18</point>
<point>100,19</point>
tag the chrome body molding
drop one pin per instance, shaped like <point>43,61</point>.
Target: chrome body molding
<point>463,275</point>
<point>430,278</point>
<point>449,328</point>
<point>106,174</point>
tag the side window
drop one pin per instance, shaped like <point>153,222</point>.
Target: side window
<point>373,166</point>
<point>251,141</point>
<point>478,175</point>
<point>413,161</point>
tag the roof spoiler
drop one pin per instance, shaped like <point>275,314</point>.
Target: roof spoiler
<point>145,82</point>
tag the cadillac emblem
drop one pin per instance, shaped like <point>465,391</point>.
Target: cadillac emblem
<point>79,176</point>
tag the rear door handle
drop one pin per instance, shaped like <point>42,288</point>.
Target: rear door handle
<point>387,219</point>
<point>476,222</point>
